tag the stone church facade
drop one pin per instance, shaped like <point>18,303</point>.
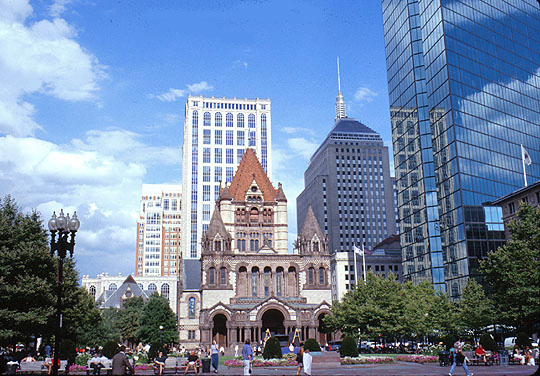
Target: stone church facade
<point>249,282</point>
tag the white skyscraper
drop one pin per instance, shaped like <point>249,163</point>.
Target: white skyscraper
<point>217,131</point>
<point>158,231</point>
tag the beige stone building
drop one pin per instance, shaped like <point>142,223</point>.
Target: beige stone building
<point>249,281</point>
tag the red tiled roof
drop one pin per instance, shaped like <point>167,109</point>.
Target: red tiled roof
<point>250,168</point>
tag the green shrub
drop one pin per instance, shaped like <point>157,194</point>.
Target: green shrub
<point>448,341</point>
<point>142,358</point>
<point>110,349</point>
<point>312,345</point>
<point>348,348</point>
<point>272,349</point>
<point>523,340</point>
<point>488,343</point>
<point>82,359</point>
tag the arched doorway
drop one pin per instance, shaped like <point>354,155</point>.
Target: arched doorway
<point>273,320</point>
<point>323,334</point>
<point>219,330</point>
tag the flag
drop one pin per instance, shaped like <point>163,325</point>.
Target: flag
<point>358,250</point>
<point>525,156</point>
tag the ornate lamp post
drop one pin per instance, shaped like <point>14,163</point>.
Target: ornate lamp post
<point>64,227</point>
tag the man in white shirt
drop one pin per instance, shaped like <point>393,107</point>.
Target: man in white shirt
<point>307,360</point>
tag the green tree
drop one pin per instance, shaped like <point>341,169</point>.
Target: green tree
<point>475,309</point>
<point>443,315</point>
<point>156,313</point>
<point>128,318</point>
<point>27,275</point>
<point>373,308</point>
<point>512,273</point>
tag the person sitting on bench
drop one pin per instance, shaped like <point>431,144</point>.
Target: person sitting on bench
<point>192,361</point>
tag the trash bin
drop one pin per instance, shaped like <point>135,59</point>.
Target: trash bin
<point>503,356</point>
<point>444,358</point>
<point>206,365</point>
<point>12,368</point>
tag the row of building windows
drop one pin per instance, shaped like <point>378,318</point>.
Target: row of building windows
<point>229,106</point>
<point>229,120</point>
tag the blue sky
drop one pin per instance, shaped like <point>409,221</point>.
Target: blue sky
<point>93,94</point>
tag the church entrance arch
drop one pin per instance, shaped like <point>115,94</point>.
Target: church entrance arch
<point>323,334</point>
<point>219,329</point>
<point>273,319</point>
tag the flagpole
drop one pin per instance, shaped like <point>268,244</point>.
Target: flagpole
<point>355,267</point>
<point>523,162</point>
<point>364,260</point>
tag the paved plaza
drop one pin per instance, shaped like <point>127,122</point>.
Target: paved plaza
<point>398,368</point>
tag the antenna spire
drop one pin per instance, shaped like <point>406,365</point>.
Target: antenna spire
<point>340,102</point>
<point>338,77</point>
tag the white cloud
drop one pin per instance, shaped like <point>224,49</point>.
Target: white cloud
<point>39,57</point>
<point>293,130</point>
<point>200,87</point>
<point>241,63</point>
<point>100,176</point>
<point>302,146</point>
<point>58,7</point>
<point>363,94</point>
<point>173,94</point>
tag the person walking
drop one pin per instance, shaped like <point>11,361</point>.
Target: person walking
<point>215,355</point>
<point>120,362</point>
<point>307,360</point>
<point>236,351</point>
<point>299,359</point>
<point>247,356</point>
<point>457,355</point>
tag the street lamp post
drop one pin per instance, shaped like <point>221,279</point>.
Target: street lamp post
<point>161,335</point>
<point>64,227</point>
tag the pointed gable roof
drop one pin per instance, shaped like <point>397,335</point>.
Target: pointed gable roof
<point>311,226</point>
<point>248,170</point>
<point>216,226</point>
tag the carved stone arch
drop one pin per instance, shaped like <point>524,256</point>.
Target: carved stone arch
<point>273,305</point>
<point>240,264</point>
<point>222,311</point>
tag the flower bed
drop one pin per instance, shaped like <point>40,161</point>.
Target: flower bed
<point>143,367</point>
<point>367,360</point>
<point>262,363</point>
<point>417,358</point>
<point>77,368</point>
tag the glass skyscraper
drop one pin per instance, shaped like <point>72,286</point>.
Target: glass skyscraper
<point>464,87</point>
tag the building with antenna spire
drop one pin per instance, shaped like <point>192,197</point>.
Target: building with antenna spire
<point>348,185</point>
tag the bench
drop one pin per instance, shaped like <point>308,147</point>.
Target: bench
<point>105,370</point>
<point>474,360</point>
<point>170,365</point>
<point>512,359</point>
<point>39,367</point>
<point>181,365</point>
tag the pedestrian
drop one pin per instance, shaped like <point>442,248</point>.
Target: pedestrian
<point>247,356</point>
<point>307,360</point>
<point>120,362</point>
<point>299,360</point>
<point>457,355</point>
<point>236,351</point>
<point>222,351</point>
<point>215,355</point>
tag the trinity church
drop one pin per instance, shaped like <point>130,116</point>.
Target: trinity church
<point>247,282</point>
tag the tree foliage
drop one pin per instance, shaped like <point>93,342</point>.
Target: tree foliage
<point>157,312</point>
<point>384,307</point>
<point>475,309</point>
<point>272,349</point>
<point>513,272</point>
<point>128,318</point>
<point>488,343</point>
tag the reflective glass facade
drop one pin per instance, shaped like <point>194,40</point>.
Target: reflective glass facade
<point>464,86</point>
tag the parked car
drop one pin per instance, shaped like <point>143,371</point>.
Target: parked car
<point>334,346</point>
